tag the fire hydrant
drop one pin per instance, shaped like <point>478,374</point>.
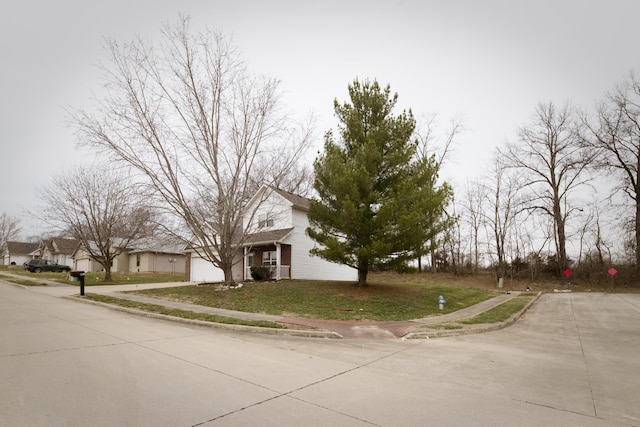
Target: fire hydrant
<point>441,302</point>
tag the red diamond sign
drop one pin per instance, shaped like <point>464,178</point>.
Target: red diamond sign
<point>612,271</point>
<point>567,272</point>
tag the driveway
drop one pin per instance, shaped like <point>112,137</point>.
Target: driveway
<point>572,360</point>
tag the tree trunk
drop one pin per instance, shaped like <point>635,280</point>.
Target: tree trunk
<point>433,261</point>
<point>562,241</point>
<point>363,270</point>
<point>107,272</point>
<point>228,274</point>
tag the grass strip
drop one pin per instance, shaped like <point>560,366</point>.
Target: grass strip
<point>502,312</point>
<point>185,314</point>
<point>25,282</point>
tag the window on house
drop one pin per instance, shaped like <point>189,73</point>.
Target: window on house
<point>269,258</point>
<point>138,260</point>
<point>264,221</point>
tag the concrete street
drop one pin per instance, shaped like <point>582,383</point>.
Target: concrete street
<point>572,360</point>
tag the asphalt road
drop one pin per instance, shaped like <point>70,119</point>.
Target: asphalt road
<point>572,360</point>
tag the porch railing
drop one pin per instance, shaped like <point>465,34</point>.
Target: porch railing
<point>284,271</point>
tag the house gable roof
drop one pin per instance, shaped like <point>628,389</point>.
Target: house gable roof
<point>64,246</point>
<point>297,201</point>
<point>158,246</point>
<point>21,248</point>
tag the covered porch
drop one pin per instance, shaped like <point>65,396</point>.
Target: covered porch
<point>266,249</point>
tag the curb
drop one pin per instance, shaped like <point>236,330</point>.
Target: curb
<point>472,329</point>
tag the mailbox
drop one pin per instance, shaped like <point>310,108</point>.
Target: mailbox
<point>80,276</point>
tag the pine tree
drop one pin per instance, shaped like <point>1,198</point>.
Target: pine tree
<point>377,199</point>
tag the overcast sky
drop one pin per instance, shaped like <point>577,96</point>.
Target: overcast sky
<point>489,62</point>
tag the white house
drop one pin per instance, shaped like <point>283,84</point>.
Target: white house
<point>17,253</point>
<point>277,221</point>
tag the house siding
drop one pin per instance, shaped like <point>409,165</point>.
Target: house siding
<point>306,266</point>
<point>276,208</point>
<point>156,262</point>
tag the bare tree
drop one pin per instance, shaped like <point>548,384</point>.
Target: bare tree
<point>432,142</point>
<point>199,128</point>
<point>551,157</point>
<point>597,245</point>
<point>437,146</point>
<point>473,216</point>
<point>100,207</point>
<point>616,136</point>
<point>298,180</point>
<point>503,206</point>
<point>9,230</point>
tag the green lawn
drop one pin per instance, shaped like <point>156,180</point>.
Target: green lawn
<point>330,300</point>
<point>502,312</point>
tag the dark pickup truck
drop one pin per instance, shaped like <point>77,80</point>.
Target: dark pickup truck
<point>38,265</point>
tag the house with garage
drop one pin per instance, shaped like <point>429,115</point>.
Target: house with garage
<point>18,253</point>
<point>276,223</point>
<point>83,261</point>
<point>58,250</point>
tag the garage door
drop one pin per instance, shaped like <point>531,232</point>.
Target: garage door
<point>204,271</point>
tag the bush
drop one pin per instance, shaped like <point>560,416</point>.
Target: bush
<point>260,273</point>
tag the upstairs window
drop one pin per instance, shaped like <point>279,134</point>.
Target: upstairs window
<point>265,221</point>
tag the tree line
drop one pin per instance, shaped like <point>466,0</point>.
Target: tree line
<point>570,177</point>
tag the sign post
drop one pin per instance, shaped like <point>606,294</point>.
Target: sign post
<point>612,272</point>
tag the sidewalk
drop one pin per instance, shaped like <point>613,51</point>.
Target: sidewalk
<point>427,327</point>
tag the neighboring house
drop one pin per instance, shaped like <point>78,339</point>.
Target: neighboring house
<point>58,250</point>
<point>154,255</point>
<point>279,241</point>
<point>143,255</point>
<point>82,261</point>
<point>19,253</point>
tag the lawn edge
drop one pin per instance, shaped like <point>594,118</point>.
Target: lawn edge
<point>237,328</point>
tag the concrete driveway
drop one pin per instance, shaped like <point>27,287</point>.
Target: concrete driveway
<point>573,360</point>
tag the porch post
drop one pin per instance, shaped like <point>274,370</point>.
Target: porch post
<point>278,255</point>
<point>244,263</point>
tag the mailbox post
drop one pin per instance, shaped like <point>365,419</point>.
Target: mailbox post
<point>80,276</point>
